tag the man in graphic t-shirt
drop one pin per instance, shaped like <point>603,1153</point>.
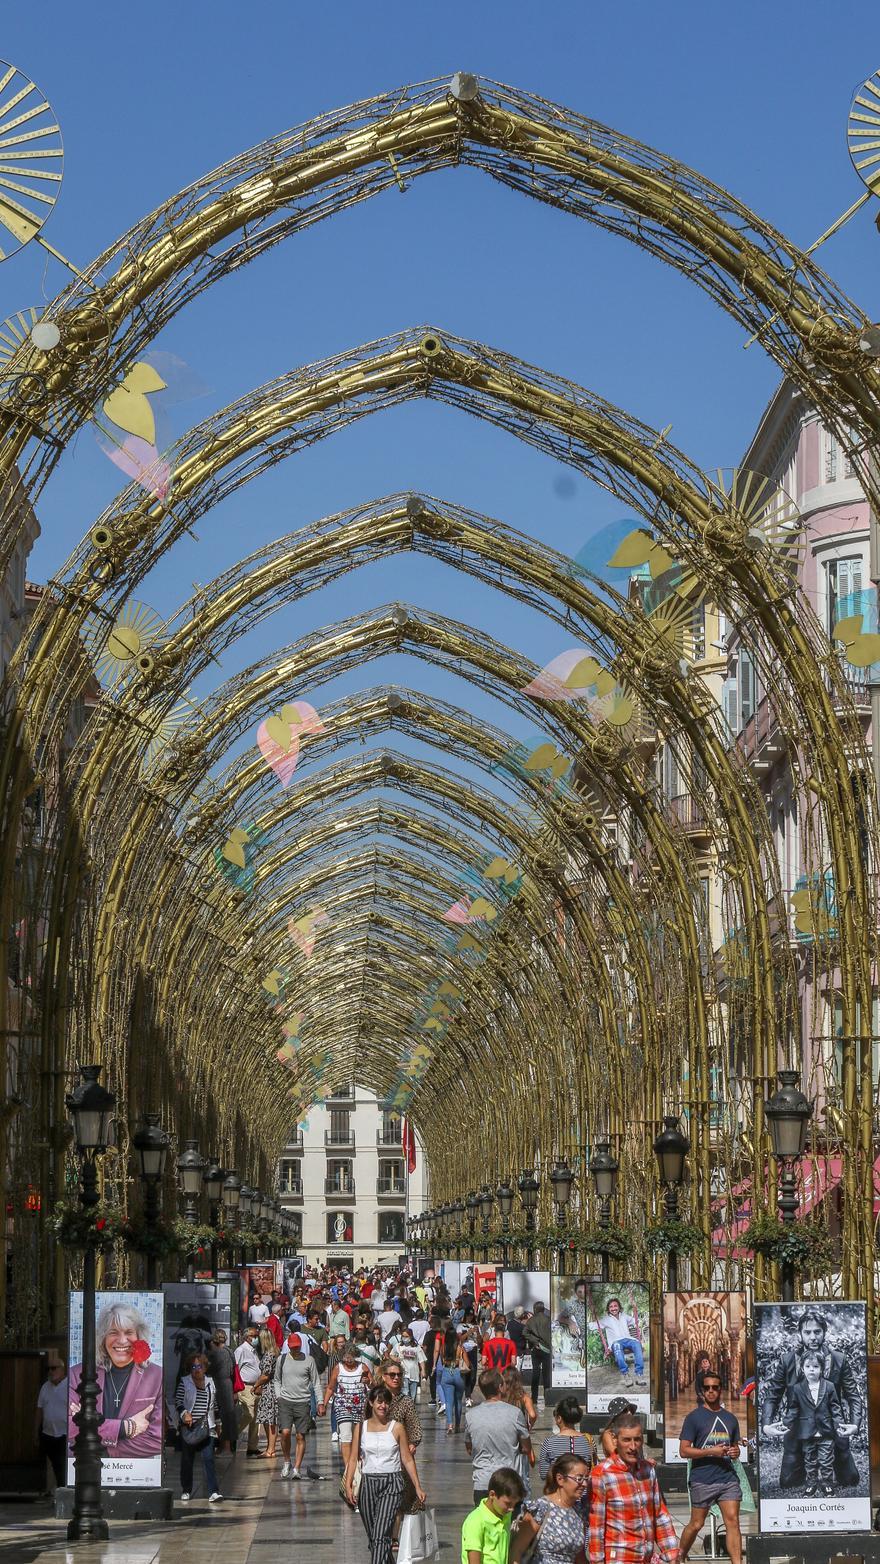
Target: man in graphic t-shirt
<point>499,1352</point>
<point>710,1441</point>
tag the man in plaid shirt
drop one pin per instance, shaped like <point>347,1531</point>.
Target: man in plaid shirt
<point>629,1521</point>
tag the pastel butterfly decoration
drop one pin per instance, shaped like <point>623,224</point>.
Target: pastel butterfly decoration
<point>140,461</point>
<point>566,678</point>
<point>303,931</point>
<point>458,912</point>
<point>639,548</point>
<point>234,860</point>
<point>546,757</point>
<point>127,406</point>
<point>278,738</point>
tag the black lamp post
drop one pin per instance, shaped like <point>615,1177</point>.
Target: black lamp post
<point>212,1179</point>
<point>671,1148</point>
<point>151,1144</point>
<point>487,1202</point>
<point>603,1169</point>
<point>245,1206</point>
<point>231,1200</point>
<point>789,1113</point>
<point>529,1190</point>
<point>505,1197</point>
<point>561,1181</point>
<point>472,1206</point>
<point>91,1107</point>
<point>190,1167</point>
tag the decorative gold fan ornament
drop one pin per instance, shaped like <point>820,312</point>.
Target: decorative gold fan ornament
<point>863,132</point>
<point>31,160</point>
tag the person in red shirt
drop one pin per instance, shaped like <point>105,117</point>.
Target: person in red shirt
<point>367,1290</point>
<point>499,1352</point>
<point>273,1324</point>
<point>629,1522</point>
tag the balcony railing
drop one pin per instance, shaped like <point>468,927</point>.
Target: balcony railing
<point>391,1136</point>
<point>339,1137</point>
<point>291,1189</point>
<point>391,1188</point>
<point>342,1093</point>
<point>295,1140</point>
<point>339,1188</point>
<point>687,811</point>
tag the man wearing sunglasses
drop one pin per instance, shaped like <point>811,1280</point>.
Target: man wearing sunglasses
<point>710,1441</point>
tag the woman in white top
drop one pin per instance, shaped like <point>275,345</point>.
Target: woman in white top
<point>381,1448</point>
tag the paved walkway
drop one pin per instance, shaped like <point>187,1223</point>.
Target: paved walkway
<point>262,1518</point>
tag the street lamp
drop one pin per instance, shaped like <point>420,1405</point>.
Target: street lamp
<point>603,1169</point>
<point>91,1107</point>
<point>151,1144</point>
<point>561,1181</point>
<point>789,1113</point>
<point>505,1197</point>
<point>245,1208</point>
<point>212,1179</point>
<point>472,1206</point>
<point>529,1190</point>
<point>486,1202</point>
<point>231,1201</point>
<point>671,1148</point>
<point>190,1167</point>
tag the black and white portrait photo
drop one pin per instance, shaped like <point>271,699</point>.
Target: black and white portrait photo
<point>523,1289</point>
<point>812,1416</point>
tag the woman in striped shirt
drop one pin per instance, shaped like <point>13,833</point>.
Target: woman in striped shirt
<point>196,1400</point>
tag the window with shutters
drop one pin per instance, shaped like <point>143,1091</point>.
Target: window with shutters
<point>843,580</point>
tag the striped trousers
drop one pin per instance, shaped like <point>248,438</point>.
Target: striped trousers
<point>379,1501</point>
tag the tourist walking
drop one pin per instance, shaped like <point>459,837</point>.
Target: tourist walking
<point>248,1364</point>
<point>221,1368</point>
<point>266,1410</point>
<point>710,1441</point>
<point>539,1339</point>
<point>380,1450</point>
<point>495,1433</point>
<point>346,1392</point>
<point>412,1359</point>
<point>485,1535</point>
<point>295,1380</point>
<point>196,1402</point>
<point>629,1522</point>
<point>499,1352</point>
<point>450,1367</point>
<point>555,1524</point>
<point>568,1439</point>
<point>514,1393</point>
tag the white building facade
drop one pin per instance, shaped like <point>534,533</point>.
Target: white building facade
<point>344,1175</point>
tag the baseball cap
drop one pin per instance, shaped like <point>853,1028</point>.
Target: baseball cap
<point>294,1342</point>
<point>616,1405</point>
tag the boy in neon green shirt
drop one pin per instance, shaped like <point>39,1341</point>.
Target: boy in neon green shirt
<point>485,1535</point>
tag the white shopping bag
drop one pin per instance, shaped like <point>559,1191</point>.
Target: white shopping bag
<point>418,1538</point>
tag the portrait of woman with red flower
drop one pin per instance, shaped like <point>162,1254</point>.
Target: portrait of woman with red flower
<point>129,1385</point>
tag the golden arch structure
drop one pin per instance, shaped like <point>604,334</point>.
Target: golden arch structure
<point>321,941</point>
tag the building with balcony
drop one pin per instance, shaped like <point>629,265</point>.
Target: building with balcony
<point>343,1176</point>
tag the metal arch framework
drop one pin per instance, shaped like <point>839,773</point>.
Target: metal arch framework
<point>116,308</point>
<point>517,386</point>
<point>126,295</point>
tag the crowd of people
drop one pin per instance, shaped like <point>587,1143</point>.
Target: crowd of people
<point>378,1352</point>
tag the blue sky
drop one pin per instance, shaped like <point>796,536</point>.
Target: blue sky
<point>754,96</point>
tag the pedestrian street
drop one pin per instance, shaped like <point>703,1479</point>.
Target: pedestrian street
<point>263,1519</point>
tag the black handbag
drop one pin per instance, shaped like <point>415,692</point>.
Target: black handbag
<point>196,1434</point>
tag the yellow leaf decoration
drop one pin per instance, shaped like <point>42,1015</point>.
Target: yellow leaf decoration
<point>861,649</point>
<point>501,869</point>
<point>279,732</point>
<point>127,406</point>
<point>233,848</point>
<point>480,907</point>
<point>583,674</point>
<point>639,548</point>
<point>467,942</point>
<point>449,989</point>
<point>548,758</point>
<point>274,981</point>
<point>605,683</point>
